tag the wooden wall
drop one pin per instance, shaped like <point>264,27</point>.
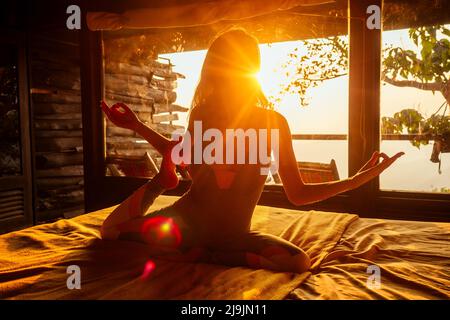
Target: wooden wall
<point>56,112</point>
<point>147,85</point>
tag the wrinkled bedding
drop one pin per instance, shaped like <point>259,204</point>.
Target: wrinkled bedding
<point>413,258</point>
<point>34,261</point>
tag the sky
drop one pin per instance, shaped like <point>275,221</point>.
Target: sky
<point>327,113</point>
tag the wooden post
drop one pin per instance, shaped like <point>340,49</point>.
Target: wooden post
<point>16,196</point>
<point>93,132</point>
<point>364,97</point>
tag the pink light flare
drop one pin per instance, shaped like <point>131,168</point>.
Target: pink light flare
<point>148,269</point>
<point>162,232</point>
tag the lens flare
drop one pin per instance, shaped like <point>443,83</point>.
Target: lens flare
<point>162,232</point>
<point>148,268</point>
<point>166,227</point>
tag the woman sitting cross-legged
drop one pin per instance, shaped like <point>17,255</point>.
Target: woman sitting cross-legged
<point>211,221</point>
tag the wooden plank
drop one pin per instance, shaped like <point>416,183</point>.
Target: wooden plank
<point>162,128</point>
<point>60,54</point>
<point>156,69</point>
<point>161,107</point>
<point>56,81</point>
<point>158,118</point>
<point>61,200</point>
<point>113,170</point>
<point>57,133</point>
<point>127,143</point>
<point>129,152</point>
<point>58,159</point>
<point>143,104</point>
<point>144,114</point>
<point>164,84</point>
<point>69,212</point>
<point>59,144</point>
<point>60,124</point>
<point>61,171</point>
<point>54,44</point>
<point>136,103</point>
<point>51,108</point>
<point>161,65</point>
<point>163,73</point>
<point>62,191</point>
<point>117,131</point>
<point>319,137</point>
<point>53,182</point>
<point>125,68</point>
<point>143,91</point>
<point>58,116</point>
<point>55,66</point>
<point>159,83</point>
<point>145,117</point>
<point>135,79</point>
<point>58,96</point>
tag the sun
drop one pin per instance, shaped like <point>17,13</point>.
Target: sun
<point>274,74</point>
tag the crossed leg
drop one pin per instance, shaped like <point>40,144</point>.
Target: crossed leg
<point>136,205</point>
<point>253,249</point>
<point>164,230</point>
<point>259,250</point>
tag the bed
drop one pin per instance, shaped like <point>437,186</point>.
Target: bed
<point>412,259</point>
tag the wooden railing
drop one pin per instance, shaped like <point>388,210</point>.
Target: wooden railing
<point>393,137</point>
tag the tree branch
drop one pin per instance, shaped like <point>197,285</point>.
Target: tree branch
<point>434,86</point>
<point>325,78</point>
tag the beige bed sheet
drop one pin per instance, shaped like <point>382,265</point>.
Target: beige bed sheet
<point>413,259</point>
<point>34,261</point>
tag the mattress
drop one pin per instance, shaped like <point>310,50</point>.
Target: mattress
<point>412,260</point>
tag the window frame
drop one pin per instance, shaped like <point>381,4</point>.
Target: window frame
<point>24,180</point>
<point>364,90</point>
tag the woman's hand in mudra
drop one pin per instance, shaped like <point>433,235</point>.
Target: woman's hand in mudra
<point>374,168</point>
<point>121,115</point>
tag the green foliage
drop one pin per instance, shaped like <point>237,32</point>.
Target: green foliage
<point>411,121</point>
<point>327,58</point>
<point>433,63</point>
<point>441,190</point>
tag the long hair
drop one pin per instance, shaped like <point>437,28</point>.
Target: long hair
<point>228,76</point>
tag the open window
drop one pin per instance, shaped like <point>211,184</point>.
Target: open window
<point>322,67</point>
<point>155,72</point>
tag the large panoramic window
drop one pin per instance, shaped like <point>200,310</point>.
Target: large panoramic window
<point>318,117</point>
<point>156,73</point>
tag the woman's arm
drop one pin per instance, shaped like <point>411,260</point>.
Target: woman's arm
<point>122,116</point>
<point>300,193</point>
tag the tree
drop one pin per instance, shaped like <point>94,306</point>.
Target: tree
<point>327,58</point>
<point>430,71</point>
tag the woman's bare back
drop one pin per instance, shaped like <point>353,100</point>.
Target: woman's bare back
<point>222,197</point>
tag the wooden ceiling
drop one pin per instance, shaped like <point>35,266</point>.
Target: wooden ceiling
<point>300,23</point>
